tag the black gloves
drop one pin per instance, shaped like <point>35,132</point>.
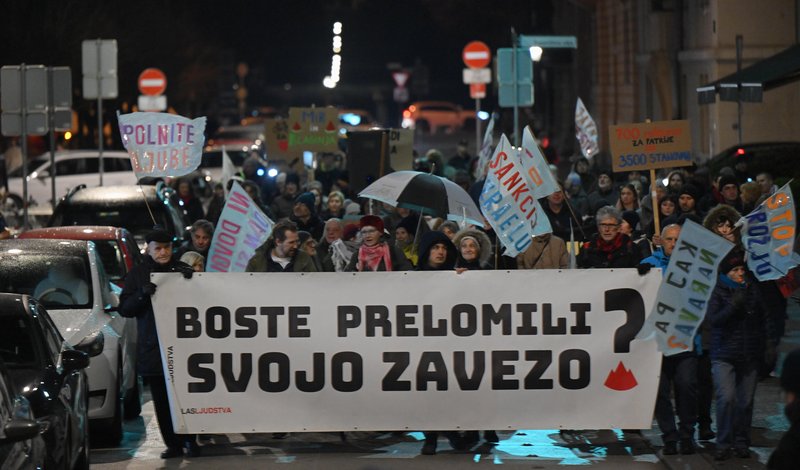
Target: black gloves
<point>186,271</point>
<point>644,268</point>
<point>149,288</point>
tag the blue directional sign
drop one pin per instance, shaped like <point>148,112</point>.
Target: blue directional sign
<point>523,80</point>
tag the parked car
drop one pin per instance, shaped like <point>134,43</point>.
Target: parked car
<point>116,246</point>
<point>50,374</point>
<point>129,207</point>
<point>68,279</point>
<point>435,116</point>
<point>21,442</point>
<point>73,167</point>
<point>246,138</point>
<point>355,120</point>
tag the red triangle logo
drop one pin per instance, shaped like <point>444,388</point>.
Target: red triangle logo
<point>621,379</point>
<point>296,126</point>
<point>330,127</point>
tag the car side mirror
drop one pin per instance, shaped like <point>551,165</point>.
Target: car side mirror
<point>73,359</point>
<point>21,429</point>
<point>92,345</point>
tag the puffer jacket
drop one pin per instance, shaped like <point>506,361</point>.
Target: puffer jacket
<point>738,333</point>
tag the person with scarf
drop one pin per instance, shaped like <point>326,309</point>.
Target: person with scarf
<point>739,332</point>
<point>609,248</point>
<point>375,254</point>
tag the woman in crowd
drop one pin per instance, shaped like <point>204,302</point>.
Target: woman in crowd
<point>189,204</point>
<point>309,245</point>
<point>195,260</point>
<point>629,227</point>
<point>628,198</point>
<point>609,248</point>
<point>667,206</point>
<point>375,254</point>
<point>335,207</point>
<point>739,325</point>
<point>474,249</point>
<point>404,235</point>
<point>675,181</point>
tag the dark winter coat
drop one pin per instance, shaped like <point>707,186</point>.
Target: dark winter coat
<point>262,262</point>
<point>597,254</point>
<point>427,242</point>
<point>738,322</point>
<point>134,303</point>
<point>787,455</point>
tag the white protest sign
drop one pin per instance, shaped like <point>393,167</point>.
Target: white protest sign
<point>537,170</point>
<point>688,283</point>
<point>486,151</point>
<point>162,144</point>
<point>287,352</point>
<point>508,204</point>
<point>241,228</point>
<point>585,130</point>
<point>769,236</point>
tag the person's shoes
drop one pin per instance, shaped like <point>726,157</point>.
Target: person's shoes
<point>172,452</point>
<point>705,433</point>
<point>670,448</point>
<point>722,454</point>
<point>279,435</point>
<point>742,453</point>
<point>192,449</point>
<point>491,437</point>
<point>456,441</point>
<point>470,439</point>
<point>429,448</point>
<point>686,446</point>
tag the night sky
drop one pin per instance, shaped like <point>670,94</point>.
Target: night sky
<point>198,43</point>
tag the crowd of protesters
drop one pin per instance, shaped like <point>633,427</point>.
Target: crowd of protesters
<point>323,226</point>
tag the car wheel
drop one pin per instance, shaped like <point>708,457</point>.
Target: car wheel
<point>110,430</point>
<point>133,401</point>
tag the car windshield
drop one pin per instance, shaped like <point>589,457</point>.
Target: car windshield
<point>57,281</point>
<point>16,341</point>
<point>135,218</point>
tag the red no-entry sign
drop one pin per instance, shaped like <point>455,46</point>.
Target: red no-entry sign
<point>476,55</point>
<point>152,82</point>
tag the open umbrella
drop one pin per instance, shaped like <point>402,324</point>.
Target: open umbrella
<point>426,194</point>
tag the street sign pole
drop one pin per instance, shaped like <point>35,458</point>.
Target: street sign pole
<point>477,128</point>
<point>100,110</point>
<point>514,84</point>
<point>24,146</point>
<point>51,118</point>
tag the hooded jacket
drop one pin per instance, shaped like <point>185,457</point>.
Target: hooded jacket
<point>723,211</point>
<point>485,246</point>
<point>428,241</point>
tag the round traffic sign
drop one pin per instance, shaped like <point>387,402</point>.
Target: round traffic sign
<point>152,82</point>
<point>476,55</point>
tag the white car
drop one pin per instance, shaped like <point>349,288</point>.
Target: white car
<point>73,167</point>
<point>68,279</point>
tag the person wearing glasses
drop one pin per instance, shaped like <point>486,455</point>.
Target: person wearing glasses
<point>375,254</point>
<point>609,248</point>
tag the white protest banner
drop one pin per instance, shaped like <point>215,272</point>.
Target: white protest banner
<point>486,151</point>
<point>286,352</point>
<point>688,282</point>
<point>586,130</point>
<point>162,144</point>
<point>769,236</point>
<point>507,202</point>
<point>228,169</point>
<point>241,228</point>
<point>537,170</point>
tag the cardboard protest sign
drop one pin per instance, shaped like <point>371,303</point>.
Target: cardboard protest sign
<point>662,144</point>
<point>686,287</point>
<point>508,203</point>
<point>162,144</point>
<point>254,352</point>
<point>277,137</point>
<point>540,178</point>
<point>769,235</point>
<point>586,131</point>
<point>314,129</point>
<point>241,228</point>
<point>401,149</point>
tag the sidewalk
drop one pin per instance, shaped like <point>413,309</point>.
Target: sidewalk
<point>769,422</point>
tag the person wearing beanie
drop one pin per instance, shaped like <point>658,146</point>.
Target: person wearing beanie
<point>404,237</point>
<point>305,216</point>
<point>787,455</point>
<point>729,192</point>
<point>134,302</point>
<point>375,254</point>
<point>739,332</point>
<point>688,198</point>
